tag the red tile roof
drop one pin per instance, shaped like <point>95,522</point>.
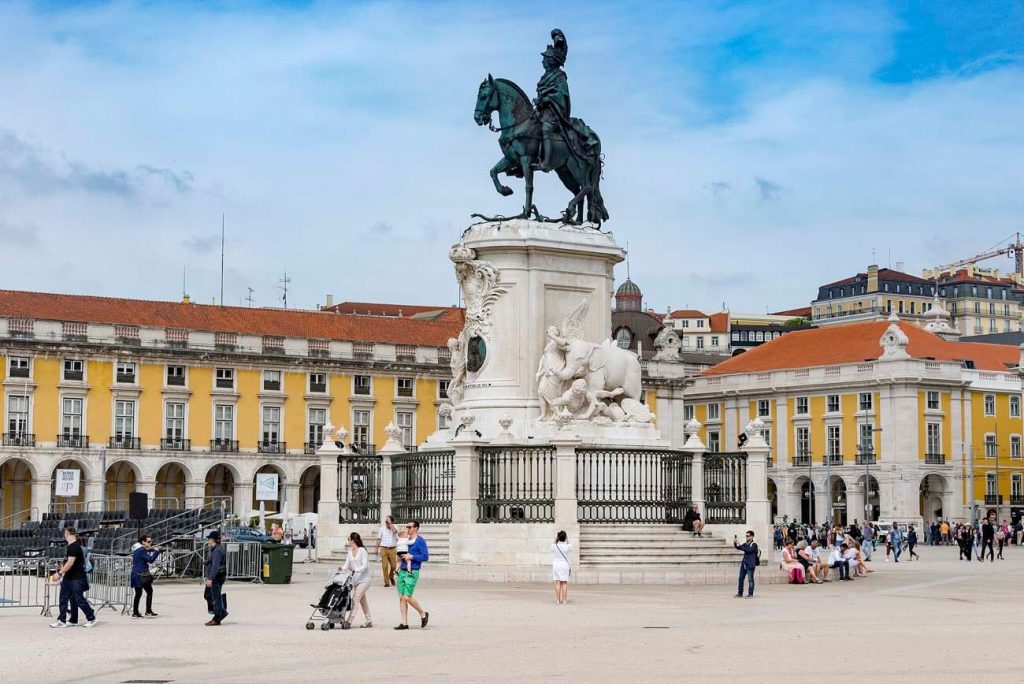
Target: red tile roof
<point>720,321</point>
<point>688,313</point>
<point>859,342</point>
<point>394,310</point>
<point>883,274</point>
<point>242,320</point>
<point>800,312</point>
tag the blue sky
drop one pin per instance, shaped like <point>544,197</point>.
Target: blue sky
<point>753,150</point>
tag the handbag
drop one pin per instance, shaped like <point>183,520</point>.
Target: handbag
<point>145,577</point>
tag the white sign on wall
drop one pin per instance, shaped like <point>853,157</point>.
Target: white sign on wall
<point>67,481</point>
<point>266,486</point>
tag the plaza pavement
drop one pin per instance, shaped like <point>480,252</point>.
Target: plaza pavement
<point>901,624</point>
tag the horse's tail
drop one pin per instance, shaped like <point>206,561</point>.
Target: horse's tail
<point>597,213</point>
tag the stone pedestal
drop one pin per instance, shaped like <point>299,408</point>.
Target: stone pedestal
<point>566,509</point>
<point>328,532</point>
<point>544,271</point>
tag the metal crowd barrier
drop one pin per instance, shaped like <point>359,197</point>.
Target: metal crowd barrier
<point>244,559</point>
<point>110,583</point>
<point>23,583</point>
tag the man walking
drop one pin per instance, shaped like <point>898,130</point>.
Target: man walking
<point>868,545</point>
<point>214,576</point>
<point>988,535</point>
<point>387,541</point>
<point>748,565</point>
<point>912,542</point>
<point>73,584</point>
<point>409,574</point>
<point>895,539</point>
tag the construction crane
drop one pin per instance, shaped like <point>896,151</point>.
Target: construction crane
<point>1016,249</point>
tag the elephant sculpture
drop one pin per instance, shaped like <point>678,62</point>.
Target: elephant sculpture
<point>605,367</point>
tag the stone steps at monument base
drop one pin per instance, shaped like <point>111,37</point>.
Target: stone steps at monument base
<point>651,546</point>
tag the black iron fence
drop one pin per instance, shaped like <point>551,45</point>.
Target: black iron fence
<point>422,483</point>
<point>359,489</point>
<point>632,485</point>
<point>517,484</point>
<point>725,488</point>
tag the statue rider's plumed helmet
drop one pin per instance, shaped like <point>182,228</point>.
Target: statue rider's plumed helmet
<point>559,48</point>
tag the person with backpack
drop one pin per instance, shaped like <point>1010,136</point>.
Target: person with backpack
<point>74,582</point>
<point>751,557</point>
<point>215,574</point>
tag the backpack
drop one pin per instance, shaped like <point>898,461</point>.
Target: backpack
<point>87,555</point>
<point>796,576</point>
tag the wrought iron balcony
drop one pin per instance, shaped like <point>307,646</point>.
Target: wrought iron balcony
<point>311,447</point>
<point>317,387</point>
<point>176,380</point>
<point>128,378</point>
<point>364,449</point>
<point>124,442</point>
<point>225,383</point>
<point>1017,499</point>
<point>802,460</point>
<point>832,459</point>
<point>224,445</point>
<point>175,444</point>
<point>362,390</point>
<point>19,373</point>
<point>19,439</point>
<point>268,447</point>
<point>74,375</point>
<point>935,459</point>
<point>73,441</point>
<point>272,385</point>
<point>866,459</point>
<point>993,499</point>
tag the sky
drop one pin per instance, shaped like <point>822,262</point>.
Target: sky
<point>753,151</point>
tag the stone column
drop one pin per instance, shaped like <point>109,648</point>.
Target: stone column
<point>822,497</point>
<point>854,503</point>
<point>759,512</point>
<point>697,449</point>
<point>392,446</point>
<point>242,498</point>
<point>42,497</point>
<point>466,488</point>
<point>291,503</point>
<point>147,487</point>
<point>94,492</point>
<point>328,530</point>
<point>194,494</point>
<point>566,515</point>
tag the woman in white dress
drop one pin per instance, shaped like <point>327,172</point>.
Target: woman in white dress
<point>357,562</point>
<point>561,551</point>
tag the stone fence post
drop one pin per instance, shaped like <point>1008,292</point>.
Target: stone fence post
<point>566,510</point>
<point>758,507</point>
<point>392,446</point>
<point>697,449</point>
<point>328,531</point>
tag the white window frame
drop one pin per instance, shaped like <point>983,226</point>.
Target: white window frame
<point>1016,488</point>
<point>803,406</point>
<point>356,385</point>
<point>991,485</point>
<point>688,412</point>
<point>72,362</point>
<point>865,401</point>
<point>311,379</point>
<point>273,411</point>
<point>1015,451</point>
<point>833,440</point>
<point>167,427</point>
<point>223,373</point>
<point>168,375</point>
<point>406,420</point>
<point>990,446</point>
<point>933,438</point>
<point>21,426</point>
<point>126,368</point>
<point>1014,406</point>
<point>412,387</point>
<point>764,408</point>
<point>717,411</point>
<point>714,441</point>
<point>315,430</point>
<point>931,405</point>
<point>14,362</point>
<point>442,388</point>
<point>803,440</point>
<point>990,404</point>
<point>64,414</point>
<point>828,403</point>
<point>219,420</point>
<point>268,376</point>
<point>119,432</point>
<point>361,428</point>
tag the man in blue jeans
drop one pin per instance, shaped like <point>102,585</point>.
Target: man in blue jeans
<point>748,565</point>
<point>214,576</point>
<point>73,584</point>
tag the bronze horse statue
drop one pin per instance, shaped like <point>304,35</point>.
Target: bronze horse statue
<point>575,154</point>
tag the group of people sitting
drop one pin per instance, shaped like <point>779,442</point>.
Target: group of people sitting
<point>846,551</point>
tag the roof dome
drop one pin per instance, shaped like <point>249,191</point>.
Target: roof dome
<point>628,297</point>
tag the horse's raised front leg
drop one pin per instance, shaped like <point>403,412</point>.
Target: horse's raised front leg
<point>500,167</point>
<point>527,167</point>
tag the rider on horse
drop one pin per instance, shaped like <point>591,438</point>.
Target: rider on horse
<point>552,102</point>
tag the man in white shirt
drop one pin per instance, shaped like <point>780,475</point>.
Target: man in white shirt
<point>837,561</point>
<point>387,540</point>
<point>820,567</point>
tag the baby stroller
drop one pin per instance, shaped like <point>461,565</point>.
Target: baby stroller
<point>334,605</point>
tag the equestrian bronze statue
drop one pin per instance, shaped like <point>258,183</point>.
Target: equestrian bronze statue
<point>542,136</point>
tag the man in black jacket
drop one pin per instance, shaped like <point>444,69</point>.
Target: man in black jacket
<point>214,576</point>
<point>988,535</point>
<point>748,565</point>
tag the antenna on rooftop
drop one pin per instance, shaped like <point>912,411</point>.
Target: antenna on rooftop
<point>249,298</point>
<point>184,290</point>
<point>284,283</point>
<point>222,259</point>
<point>627,260</point>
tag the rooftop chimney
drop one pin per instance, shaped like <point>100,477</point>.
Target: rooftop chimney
<point>330,301</point>
<point>873,278</point>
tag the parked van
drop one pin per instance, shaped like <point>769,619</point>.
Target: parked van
<point>299,526</point>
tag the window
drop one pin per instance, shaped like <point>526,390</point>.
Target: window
<point>700,323</point>
<point>759,336</point>
<point>271,381</point>
<point>17,367</point>
<point>405,387</point>
<point>832,403</point>
<point>867,438</point>
<point>714,411</point>
<point>361,428</point>
<point>1014,446</point>
<point>686,324</point>
<point>174,421</point>
<point>832,443</point>
<point>271,425</point>
<point>17,415</point>
<point>801,406</point>
<point>1015,486</point>
<point>933,438</point>
<point>71,420</point>
<point>124,420</point>
<point>766,435</point>
<point>992,326</point>
<point>176,376</point>
<point>714,340</point>
<point>991,309</point>
<point>912,307</point>
<point>442,388</point>
<point>700,342</point>
<point>735,336</point>
<point>803,441</point>
<point>361,384</point>
<point>74,369</point>
<point>990,405</point>
<point>225,378</point>
<point>317,420</point>
<point>125,372</point>
<point>688,412</point>
<point>1006,307</point>
<point>977,307</point>
<point>932,401</point>
<point>900,303</point>
<point>990,446</point>
<point>1015,406</point>
<point>714,442</point>
<point>763,408</point>
<point>865,402</point>
<point>317,383</point>
<point>991,486</point>
<point>404,420</point>
<point>224,423</point>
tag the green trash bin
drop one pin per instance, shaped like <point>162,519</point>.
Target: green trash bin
<point>277,563</point>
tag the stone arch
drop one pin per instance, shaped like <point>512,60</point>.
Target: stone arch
<point>220,481</point>
<point>16,475</point>
<point>773,498</point>
<point>838,501</point>
<point>805,492</point>
<point>121,479</point>
<point>170,479</point>
<point>230,467</point>
<point>872,504</point>
<point>309,490</point>
<point>69,504</point>
<point>934,496</point>
<point>282,479</point>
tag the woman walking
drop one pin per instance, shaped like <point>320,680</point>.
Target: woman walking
<point>142,579</point>
<point>560,570</point>
<point>357,561</point>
